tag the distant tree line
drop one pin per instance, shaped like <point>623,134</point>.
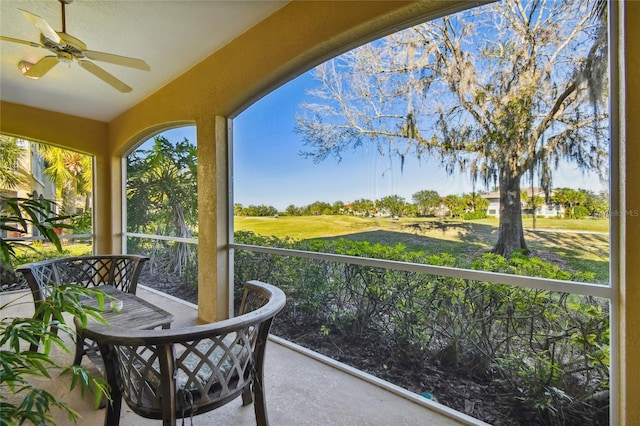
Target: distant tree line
<point>577,203</point>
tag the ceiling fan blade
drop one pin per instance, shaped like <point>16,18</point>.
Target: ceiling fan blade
<point>117,59</point>
<point>104,76</point>
<point>42,67</point>
<point>42,25</point>
<point>17,40</point>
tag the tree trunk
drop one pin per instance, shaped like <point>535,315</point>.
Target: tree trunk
<point>534,204</point>
<point>182,253</point>
<point>510,231</point>
<point>69,196</point>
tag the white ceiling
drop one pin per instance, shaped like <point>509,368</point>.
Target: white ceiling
<point>170,35</point>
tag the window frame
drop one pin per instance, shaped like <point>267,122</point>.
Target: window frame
<point>609,291</point>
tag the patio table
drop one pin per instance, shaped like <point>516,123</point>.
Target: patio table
<point>136,313</point>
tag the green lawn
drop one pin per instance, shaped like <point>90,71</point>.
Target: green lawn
<point>584,225</point>
<point>305,227</point>
<point>48,251</point>
<point>580,244</point>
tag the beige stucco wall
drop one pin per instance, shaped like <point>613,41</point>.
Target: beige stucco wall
<point>297,37</point>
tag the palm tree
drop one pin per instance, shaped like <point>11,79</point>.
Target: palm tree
<point>161,194</point>
<point>533,202</point>
<point>71,172</point>
<point>12,176</point>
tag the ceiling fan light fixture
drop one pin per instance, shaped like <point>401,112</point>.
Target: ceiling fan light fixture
<point>24,67</point>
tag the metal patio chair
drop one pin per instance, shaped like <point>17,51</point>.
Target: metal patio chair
<point>181,372</point>
<point>118,270</point>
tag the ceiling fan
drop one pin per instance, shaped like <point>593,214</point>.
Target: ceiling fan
<point>67,48</point>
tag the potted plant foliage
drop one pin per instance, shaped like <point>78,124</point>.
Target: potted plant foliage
<point>21,400</point>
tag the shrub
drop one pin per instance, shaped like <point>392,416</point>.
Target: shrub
<point>547,350</point>
<point>82,223</point>
<point>580,212</point>
<point>478,214</point>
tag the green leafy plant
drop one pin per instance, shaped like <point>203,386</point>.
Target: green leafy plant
<point>20,366</point>
<point>21,400</point>
<point>21,215</point>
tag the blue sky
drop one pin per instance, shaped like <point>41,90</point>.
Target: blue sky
<point>268,169</point>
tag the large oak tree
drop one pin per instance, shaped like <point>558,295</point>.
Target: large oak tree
<point>501,92</point>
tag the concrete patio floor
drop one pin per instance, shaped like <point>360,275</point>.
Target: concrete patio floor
<point>302,387</point>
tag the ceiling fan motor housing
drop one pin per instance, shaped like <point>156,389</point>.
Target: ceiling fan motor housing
<point>70,47</point>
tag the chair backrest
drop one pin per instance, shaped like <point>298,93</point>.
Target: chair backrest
<point>120,271</point>
<point>180,372</point>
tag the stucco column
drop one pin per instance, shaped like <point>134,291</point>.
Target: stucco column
<point>108,194</point>
<point>213,220</point>
<point>629,295</point>
<point>104,198</point>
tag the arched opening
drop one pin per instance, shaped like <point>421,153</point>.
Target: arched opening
<point>386,248</point>
<point>161,218</point>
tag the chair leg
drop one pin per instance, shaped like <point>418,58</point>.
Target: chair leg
<point>247,396</point>
<point>114,406</point>
<point>112,416</point>
<point>259,404</point>
<point>79,349</point>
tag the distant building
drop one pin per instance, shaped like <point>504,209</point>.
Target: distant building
<point>38,185</point>
<point>547,209</point>
<point>441,211</point>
